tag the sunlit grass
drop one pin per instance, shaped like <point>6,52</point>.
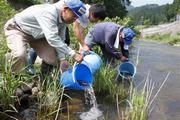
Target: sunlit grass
<point>50,98</point>
<point>172,40</point>
<point>140,102</point>
<point>105,82</point>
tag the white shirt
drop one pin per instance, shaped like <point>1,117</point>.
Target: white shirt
<point>44,21</point>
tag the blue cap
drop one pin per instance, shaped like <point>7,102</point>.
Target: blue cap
<point>77,7</point>
<point>128,35</point>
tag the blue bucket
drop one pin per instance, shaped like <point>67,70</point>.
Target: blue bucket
<point>127,70</point>
<point>93,61</point>
<point>78,78</point>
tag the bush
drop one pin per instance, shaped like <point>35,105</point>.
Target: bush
<point>6,13</point>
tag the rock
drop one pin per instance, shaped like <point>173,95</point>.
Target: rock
<point>35,91</point>
<point>18,92</point>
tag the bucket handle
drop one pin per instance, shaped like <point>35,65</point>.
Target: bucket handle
<point>87,53</point>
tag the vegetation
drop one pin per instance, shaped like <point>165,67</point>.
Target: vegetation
<point>50,94</point>
<point>148,15</point>
<point>6,13</point>
<point>153,14</point>
<point>172,40</point>
<point>173,10</point>
<point>114,7</point>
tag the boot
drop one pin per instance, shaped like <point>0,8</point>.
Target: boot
<point>46,70</point>
<point>31,60</point>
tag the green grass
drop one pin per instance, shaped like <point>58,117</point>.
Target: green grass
<point>105,84</point>
<point>50,98</point>
<point>172,40</point>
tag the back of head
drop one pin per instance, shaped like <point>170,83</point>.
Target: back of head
<point>98,11</point>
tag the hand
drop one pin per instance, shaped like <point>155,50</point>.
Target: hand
<point>78,57</point>
<point>64,65</point>
<point>123,58</point>
<point>84,48</point>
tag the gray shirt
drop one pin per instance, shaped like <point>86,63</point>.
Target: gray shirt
<point>44,21</point>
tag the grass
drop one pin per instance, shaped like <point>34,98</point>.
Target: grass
<point>140,102</point>
<point>172,40</point>
<point>50,98</point>
<point>105,83</point>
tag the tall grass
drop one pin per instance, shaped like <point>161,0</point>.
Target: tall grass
<point>140,102</point>
<point>50,98</point>
<point>105,83</point>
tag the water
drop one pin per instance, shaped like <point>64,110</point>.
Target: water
<point>159,59</point>
<point>94,113</point>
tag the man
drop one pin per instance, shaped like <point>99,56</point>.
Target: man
<point>93,13</point>
<point>31,58</point>
<point>113,39</point>
<point>43,28</point>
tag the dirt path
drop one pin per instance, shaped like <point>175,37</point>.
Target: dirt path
<point>169,28</point>
<point>160,59</point>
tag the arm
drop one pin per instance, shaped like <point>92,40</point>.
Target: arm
<point>79,33</point>
<point>48,23</point>
<point>89,40</point>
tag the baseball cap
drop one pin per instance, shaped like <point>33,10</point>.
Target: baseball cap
<point>77,7</point>
<point>128,36</point>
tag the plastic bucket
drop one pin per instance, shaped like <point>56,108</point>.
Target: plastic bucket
<point>78,78</point>
<point>127,70</point>
<point>93,61</point>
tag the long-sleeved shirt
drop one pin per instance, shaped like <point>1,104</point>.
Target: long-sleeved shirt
<point>104,35</point>
<point>42,21</point>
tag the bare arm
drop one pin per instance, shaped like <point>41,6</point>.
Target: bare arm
<point>79,33</point>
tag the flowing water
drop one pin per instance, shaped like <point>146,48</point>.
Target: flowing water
<point>90,99</point>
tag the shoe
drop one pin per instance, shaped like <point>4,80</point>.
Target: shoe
<point>30,70</point>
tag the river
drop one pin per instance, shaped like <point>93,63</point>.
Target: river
<point>157,60</point>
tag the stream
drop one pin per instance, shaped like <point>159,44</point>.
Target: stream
<point>157,60</point>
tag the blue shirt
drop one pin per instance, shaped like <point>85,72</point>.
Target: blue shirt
<point>104,35</point>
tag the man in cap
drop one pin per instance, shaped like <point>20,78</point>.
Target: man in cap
<point>113,39</point>
<point>43,28</point>
<point>94,13</point>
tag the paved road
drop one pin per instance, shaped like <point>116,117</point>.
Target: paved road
<point>160,59</point>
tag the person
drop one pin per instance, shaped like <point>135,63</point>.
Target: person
<point>113,39</point>
<point>93,13</point>
<point>43,28</point>
<point>32,55</point>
